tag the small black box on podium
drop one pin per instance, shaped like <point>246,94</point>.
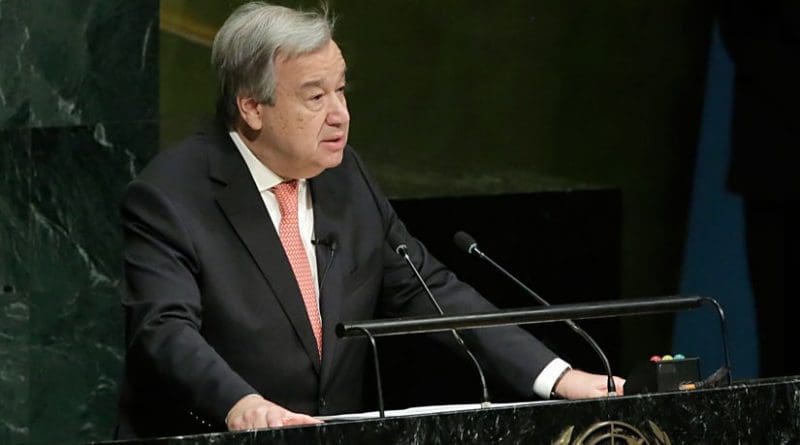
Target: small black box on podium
<point>661,376</point>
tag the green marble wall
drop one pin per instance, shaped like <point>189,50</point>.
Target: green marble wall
<point>78,118</point>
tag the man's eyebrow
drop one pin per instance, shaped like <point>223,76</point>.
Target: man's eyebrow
<point>311,84</point>
<point>318,83</point>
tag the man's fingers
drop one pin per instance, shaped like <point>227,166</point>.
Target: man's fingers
<point>250,418</point>
<point>260,419</point>
<point>253,412</point>
<point>237,424</point>
<point>300,419</point>
<point>620,384</point>
<point>275,417</point>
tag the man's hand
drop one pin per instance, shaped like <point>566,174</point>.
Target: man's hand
<point>253,411</point>
<point>577,384</point>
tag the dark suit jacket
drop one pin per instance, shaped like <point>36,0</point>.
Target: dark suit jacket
<point>213,311</point>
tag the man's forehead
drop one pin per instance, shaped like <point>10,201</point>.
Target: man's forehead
<point>312,69</point>
<point>319,81</point>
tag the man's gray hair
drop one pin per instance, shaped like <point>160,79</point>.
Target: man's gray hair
<point>244,50</point>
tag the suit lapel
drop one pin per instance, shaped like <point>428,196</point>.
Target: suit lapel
<point>328,207</point>
<point>241,202</point>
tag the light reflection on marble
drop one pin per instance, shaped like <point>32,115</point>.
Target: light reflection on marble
<point>14,364</point>
<point>74,62</point>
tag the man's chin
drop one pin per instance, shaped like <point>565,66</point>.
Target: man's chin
<point>331,160</point>
<point>334,159</point>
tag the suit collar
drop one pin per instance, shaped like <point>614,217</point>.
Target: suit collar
<point>264,178</point>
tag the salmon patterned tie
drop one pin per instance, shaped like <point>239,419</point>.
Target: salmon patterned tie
<point>289,232</point>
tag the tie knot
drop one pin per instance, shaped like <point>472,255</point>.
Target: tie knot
<point>286,194</point>
<point>290,185</point>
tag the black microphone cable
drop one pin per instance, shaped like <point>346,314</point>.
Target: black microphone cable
<point>468,244</point>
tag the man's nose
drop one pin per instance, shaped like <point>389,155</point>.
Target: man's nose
<point>337,112</point>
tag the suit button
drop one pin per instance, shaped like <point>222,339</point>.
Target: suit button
<point>322,403</point>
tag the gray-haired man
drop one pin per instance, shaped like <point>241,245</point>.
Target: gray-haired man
<point>231,304</point>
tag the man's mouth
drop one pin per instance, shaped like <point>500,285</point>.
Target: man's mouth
<point>336,142</point>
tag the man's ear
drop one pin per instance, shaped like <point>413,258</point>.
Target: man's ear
<point>250,111</point>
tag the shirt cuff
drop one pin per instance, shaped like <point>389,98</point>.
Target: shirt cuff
<point>543,385</point>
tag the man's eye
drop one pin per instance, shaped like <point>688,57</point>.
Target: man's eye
<point>341,89</point>
<point>316,97</point>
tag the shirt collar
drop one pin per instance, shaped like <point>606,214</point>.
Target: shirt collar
<point>264,178</point>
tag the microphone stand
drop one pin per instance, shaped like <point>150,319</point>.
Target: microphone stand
<point>466,242</point>
<point>618,308</point>
<point>402,250</point>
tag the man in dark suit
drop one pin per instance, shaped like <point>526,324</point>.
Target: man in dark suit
<point>247,243</point>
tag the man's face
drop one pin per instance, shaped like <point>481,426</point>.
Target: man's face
<point>305,130</point>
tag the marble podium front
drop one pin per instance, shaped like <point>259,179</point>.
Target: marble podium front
<point>754,411</point>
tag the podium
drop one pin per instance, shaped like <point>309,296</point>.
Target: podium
<point>753,411</point>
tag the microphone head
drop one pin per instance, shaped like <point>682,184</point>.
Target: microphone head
<point>465,242</point>
<point>397,242</point>
<point>330,241</point>
<point>333,239</point>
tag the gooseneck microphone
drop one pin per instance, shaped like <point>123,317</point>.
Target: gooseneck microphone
<point>402,250</point>
<point>468,244</point>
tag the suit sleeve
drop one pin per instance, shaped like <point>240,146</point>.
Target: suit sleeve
<point>163,307</point>
<point>508,353</point>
